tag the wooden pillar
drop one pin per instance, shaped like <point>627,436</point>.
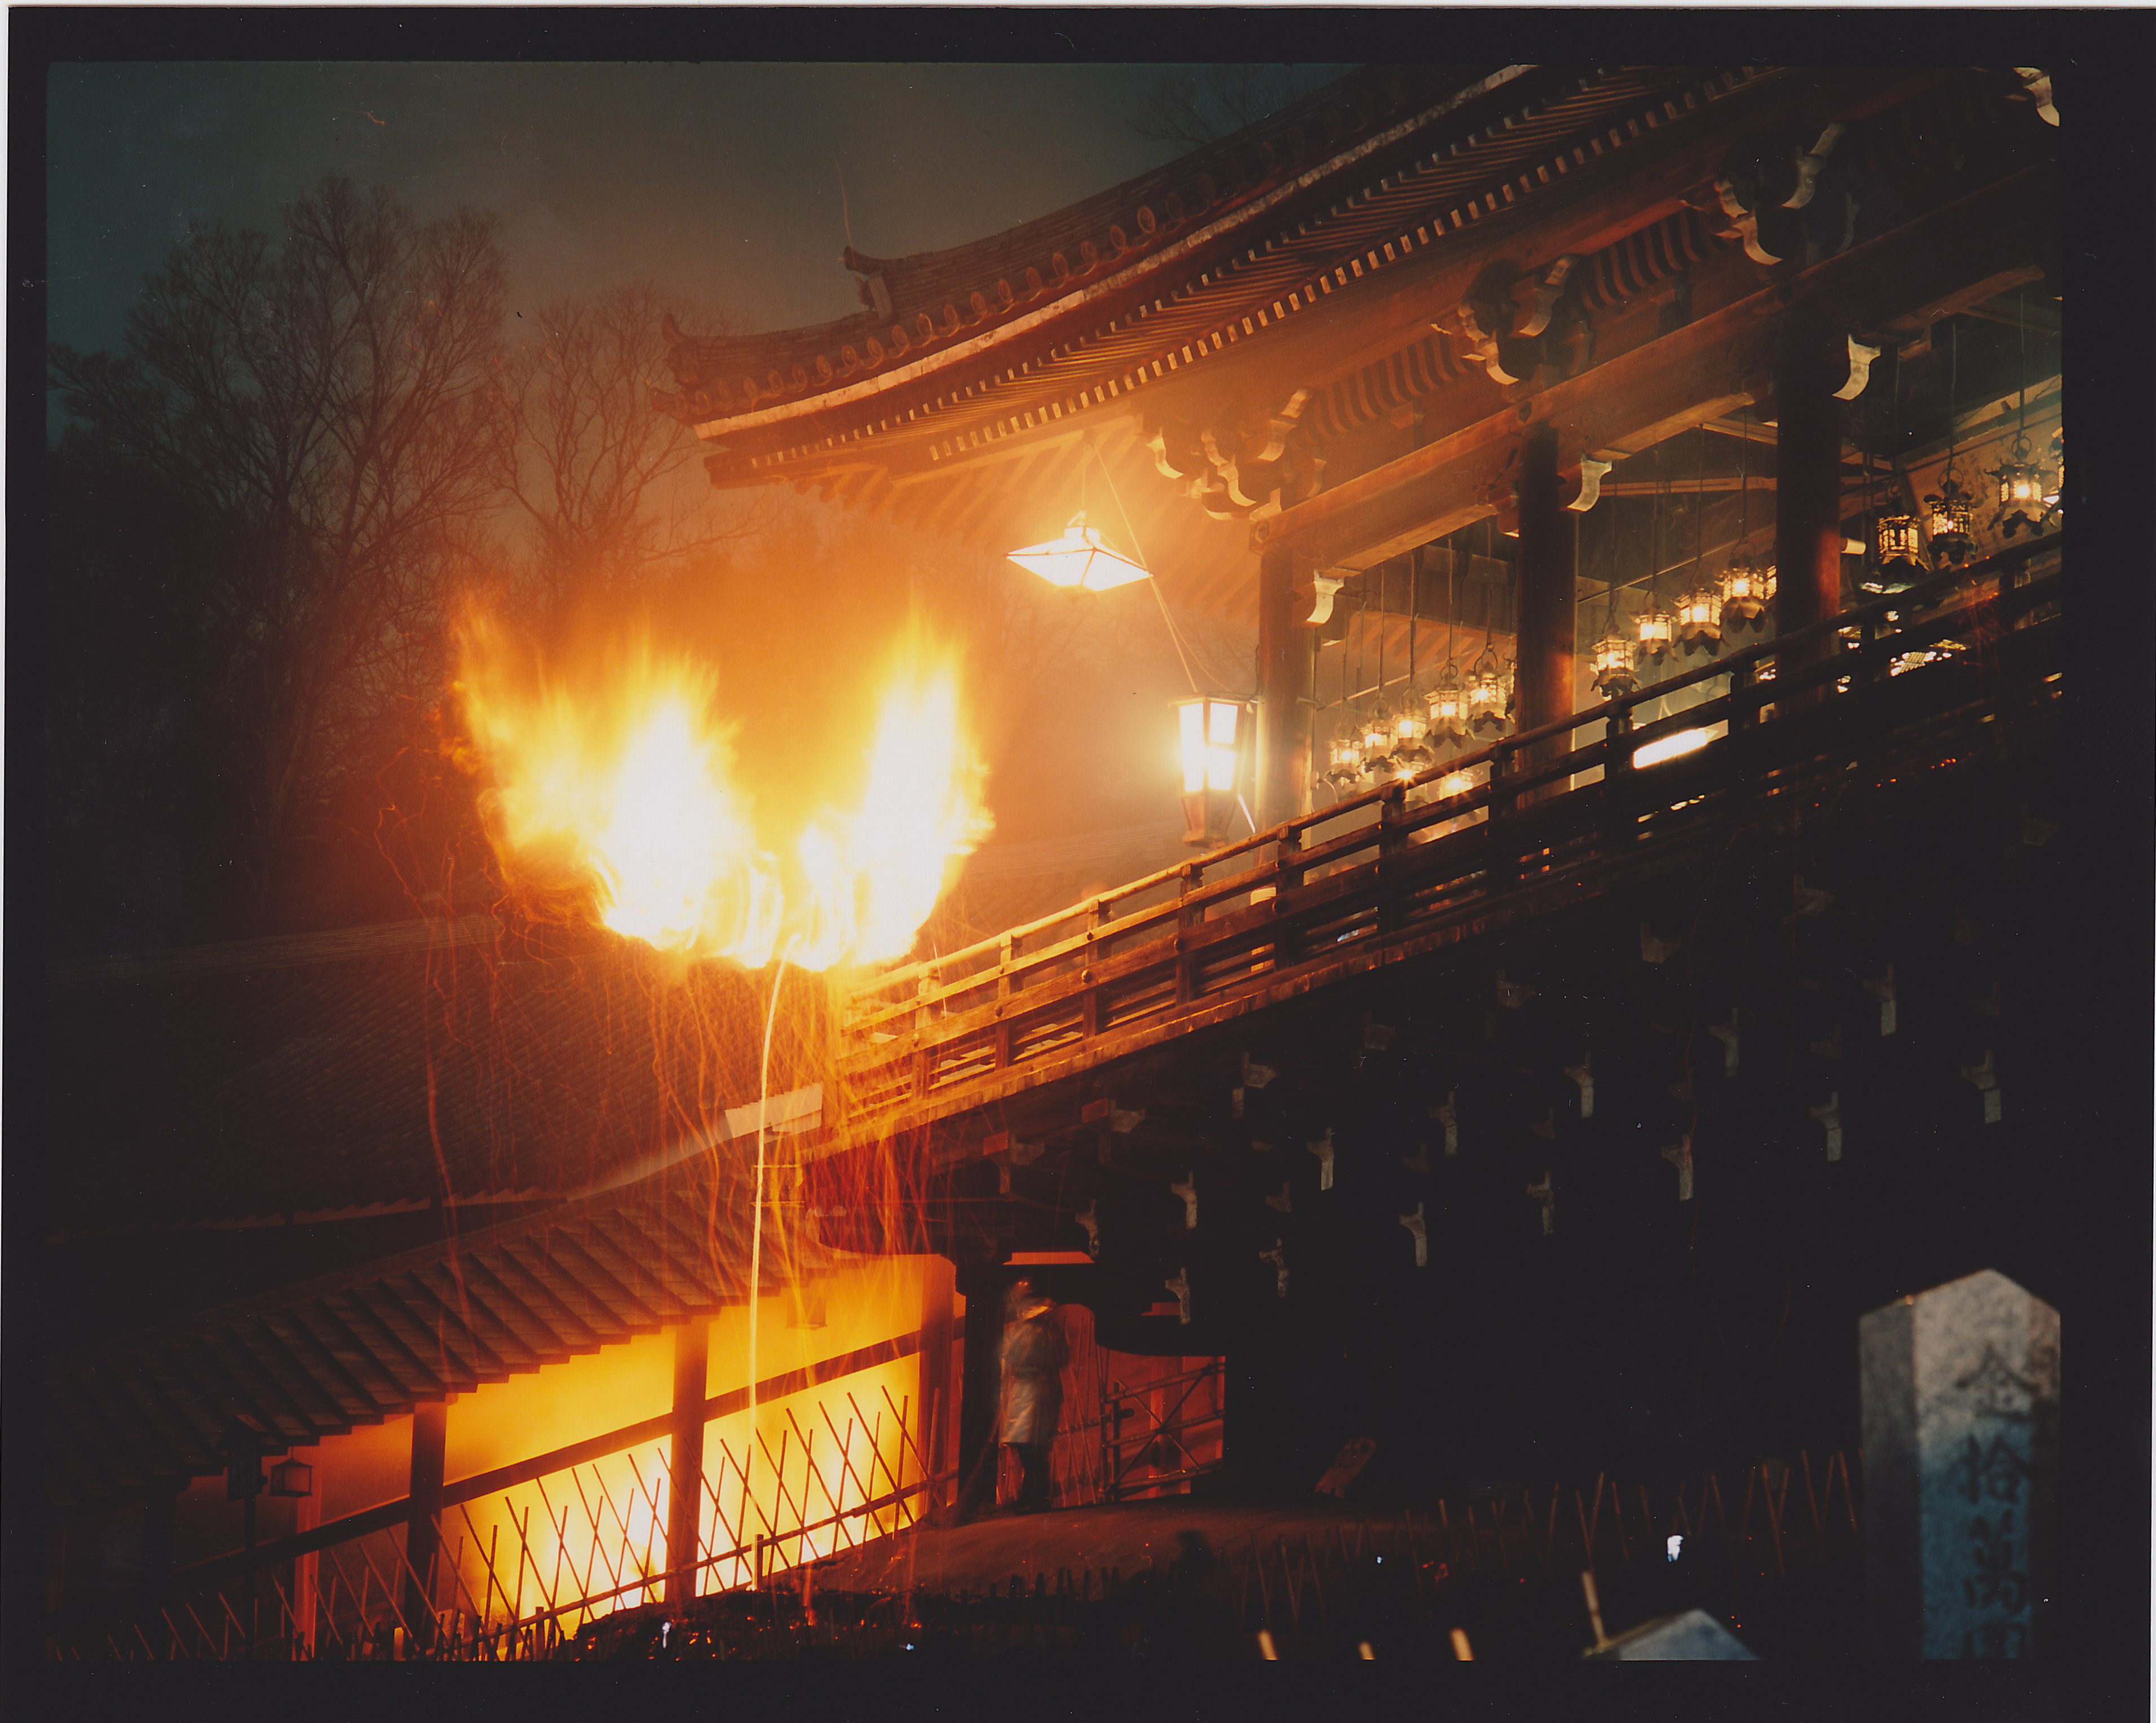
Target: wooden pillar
<point>160,1515</point>
<point>938,1291</point>
<point>1808,368</point>
<point>982,1393</point>
<point>1287,662</point>
<point>1547,601</point>
<point>423,1532</point>
<point>684,1479</point>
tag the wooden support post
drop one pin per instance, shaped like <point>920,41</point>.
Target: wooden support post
<point>1287,665</point>
<point>1808,367</point>
<point>980,1406</point>
<point>938,1292</point>
<point>422,1533</point>
<point>1549,606</point>
<point>684,1483</point>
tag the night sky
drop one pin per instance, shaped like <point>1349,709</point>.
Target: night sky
<point>721,181</point>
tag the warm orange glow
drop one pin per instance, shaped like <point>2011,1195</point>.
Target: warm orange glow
<point>618,785</point>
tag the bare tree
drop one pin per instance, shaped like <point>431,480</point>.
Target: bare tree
<point>1193,107</point>
<point>603,478</point>
<point>332,398</point>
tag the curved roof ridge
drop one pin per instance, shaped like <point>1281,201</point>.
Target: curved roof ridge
<point>918,303</point>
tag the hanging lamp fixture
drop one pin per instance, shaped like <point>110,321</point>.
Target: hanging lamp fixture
<point>1897,540</point>
<point>1747,587</point>
<point>2021,501</point>
<point>1486,693</point>
<point>1411,747</point>
<point>1448,694</point>
<point>1950,507</point>
<point>1699,607</point>
<point>1615,652</point>
<point>1657,627</point>
<point>1081,557</point>
<point>1489,688</point>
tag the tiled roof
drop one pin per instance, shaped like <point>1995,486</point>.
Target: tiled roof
<point>1456,155</point>
<point>372,1070</point>
<point>313,1361</point>
<point>924,304</point>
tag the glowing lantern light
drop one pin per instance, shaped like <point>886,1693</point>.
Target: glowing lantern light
<point>1212,734</point>
<point>1947,513</point>
<point>2056,486</point>
<point>1699,619</point>
<point>1613,672</point>
<point>1746,590</point>
<point>1082,557</point>
<point>1377,738</point>
<point>1898,540</point>
<point>1343,768</point>
<point>1411,748</point>
<point>1658,632</point>
<point>1487,691</point>
<point>1669,747</point>
<point>1448,706</point>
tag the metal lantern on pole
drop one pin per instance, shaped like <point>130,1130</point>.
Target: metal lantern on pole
<point>1213,736</point>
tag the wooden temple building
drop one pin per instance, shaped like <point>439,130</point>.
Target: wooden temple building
<point>1543,1095</point>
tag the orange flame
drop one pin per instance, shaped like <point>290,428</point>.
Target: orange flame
<point>622,790</point>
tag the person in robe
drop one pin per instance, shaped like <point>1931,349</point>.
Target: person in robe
<point>1034,1354</point>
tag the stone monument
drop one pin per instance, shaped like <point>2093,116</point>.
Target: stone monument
<point>1960,1389</point>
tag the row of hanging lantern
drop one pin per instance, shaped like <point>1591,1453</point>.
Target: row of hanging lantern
<point>2030,490</point>
<point>1399,741</point>
<point>1707,610</point>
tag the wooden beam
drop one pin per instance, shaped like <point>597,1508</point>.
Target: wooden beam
<point>1610,199</point>
<point>1701,372</point>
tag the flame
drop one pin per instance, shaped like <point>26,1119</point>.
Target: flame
<point>620,788</point>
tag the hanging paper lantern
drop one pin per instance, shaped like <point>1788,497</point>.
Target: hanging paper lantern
<point>1658,632</point>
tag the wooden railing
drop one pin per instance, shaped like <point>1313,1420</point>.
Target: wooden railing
<point>1384,868</point>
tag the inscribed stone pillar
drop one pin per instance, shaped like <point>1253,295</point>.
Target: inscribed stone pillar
<point>1548,612</point>
<point>1287,663</point>
<point>685,1483</point>
<point>1960,1389</point>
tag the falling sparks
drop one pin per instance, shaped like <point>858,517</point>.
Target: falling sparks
<point>619,790</point>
